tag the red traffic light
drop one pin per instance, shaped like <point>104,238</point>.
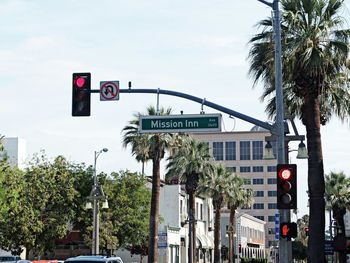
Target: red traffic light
<point>286,186</point>
<point>285,173</point>
<point>80,82</point>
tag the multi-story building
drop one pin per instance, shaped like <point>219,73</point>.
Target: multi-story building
<point>242,152</point>
<point>15,151</point>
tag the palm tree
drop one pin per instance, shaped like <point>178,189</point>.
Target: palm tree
<point>217,186</point>
<point>338,198</point>
<point>149,147</point>
<point>238,197</point>
<point>314,63</point>
<point>189,163</point>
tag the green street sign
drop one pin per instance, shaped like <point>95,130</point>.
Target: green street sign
<point>180,123</point>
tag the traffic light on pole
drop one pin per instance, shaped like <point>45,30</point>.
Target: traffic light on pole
<point>288,230</point>
<point>286,186</point>
<point>81,98</point>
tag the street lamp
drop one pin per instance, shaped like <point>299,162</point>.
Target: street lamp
<point>96,195</point>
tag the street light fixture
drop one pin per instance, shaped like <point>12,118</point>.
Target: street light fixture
<point>96,195</point>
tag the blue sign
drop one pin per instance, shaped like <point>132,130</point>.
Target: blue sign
<point>277,226</point>
<point>162,240</point>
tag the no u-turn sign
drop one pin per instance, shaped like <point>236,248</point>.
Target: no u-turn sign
<point>109,90</point>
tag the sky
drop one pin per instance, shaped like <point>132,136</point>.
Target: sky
<point>198,47</point>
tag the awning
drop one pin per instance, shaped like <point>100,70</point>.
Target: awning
<point>210,241</point>
<point>202,241</point>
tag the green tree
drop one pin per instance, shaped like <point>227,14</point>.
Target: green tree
<point>314,64</point>
<point>153,150</point>
<point>238,197</point>
<point>130,201</point>
<point>190,162</point>
<point>217,186</point>
<point>338,198</point>
<point>38,206</point>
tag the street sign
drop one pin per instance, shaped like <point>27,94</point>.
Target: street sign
<point>162,239</point>
<point>328,247</point>
<point>180,123</point>
<point>109,90</point>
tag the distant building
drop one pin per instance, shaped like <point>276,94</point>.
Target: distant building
<point>242,152</point>
<point>15,151</point>
<point>249,239</point>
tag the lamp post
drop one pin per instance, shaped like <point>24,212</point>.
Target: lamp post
<point>284,253</point>
<point>96,194</point>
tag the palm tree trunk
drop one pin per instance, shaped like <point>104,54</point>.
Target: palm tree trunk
<point>232,231</point>
<point>217,230</point>
<point>339,217</point>
<point>192,215</point>
<point>153,223</point>
<point>316,184</point>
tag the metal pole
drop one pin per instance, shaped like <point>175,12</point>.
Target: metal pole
<point>284,246</point>
<point>95,233</point>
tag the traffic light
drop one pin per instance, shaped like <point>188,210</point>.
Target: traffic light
<point>81,98</point>
<point>286,186</point>
<point>288,230</point>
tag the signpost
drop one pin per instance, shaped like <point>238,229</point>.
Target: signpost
<point>180,123</point>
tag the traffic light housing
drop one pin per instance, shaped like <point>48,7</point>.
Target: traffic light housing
<point>81,96</point>
<point>286,186</point>
<point>288,230</point>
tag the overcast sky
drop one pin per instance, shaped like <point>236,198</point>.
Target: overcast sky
<point>197,47</point>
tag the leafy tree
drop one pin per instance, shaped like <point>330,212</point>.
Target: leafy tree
<point>153,148</point>
<point>315,84</point>
<point>189,163</point>
<point>216,186</point>
<point>298,250</point>
<point>38,205</point>
<point>338,198</point>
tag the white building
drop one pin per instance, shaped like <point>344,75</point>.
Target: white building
<point>173,231</point>
<point>15,151</point>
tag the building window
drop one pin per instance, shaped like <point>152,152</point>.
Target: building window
<point>201,212</point>
<point>247,181</point>
<point>258,193</point>
<point>258,181</point>
<point>271,168</point>
<point>272,193</point>
<point>258,206</point>
<point>272,206</point>
<point>272,231</point>
<point>230,150</point>
<point>244,150</point>
<point>244,169</point>
<point>258,169</point>
<point>272,180</point>
<point>260,217</point>
<point>218,151</point>
<point>258,149</point>
<point>231,169</point>
<point>271,219</point>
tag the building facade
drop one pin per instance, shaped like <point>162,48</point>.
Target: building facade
<point>242,153</point>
